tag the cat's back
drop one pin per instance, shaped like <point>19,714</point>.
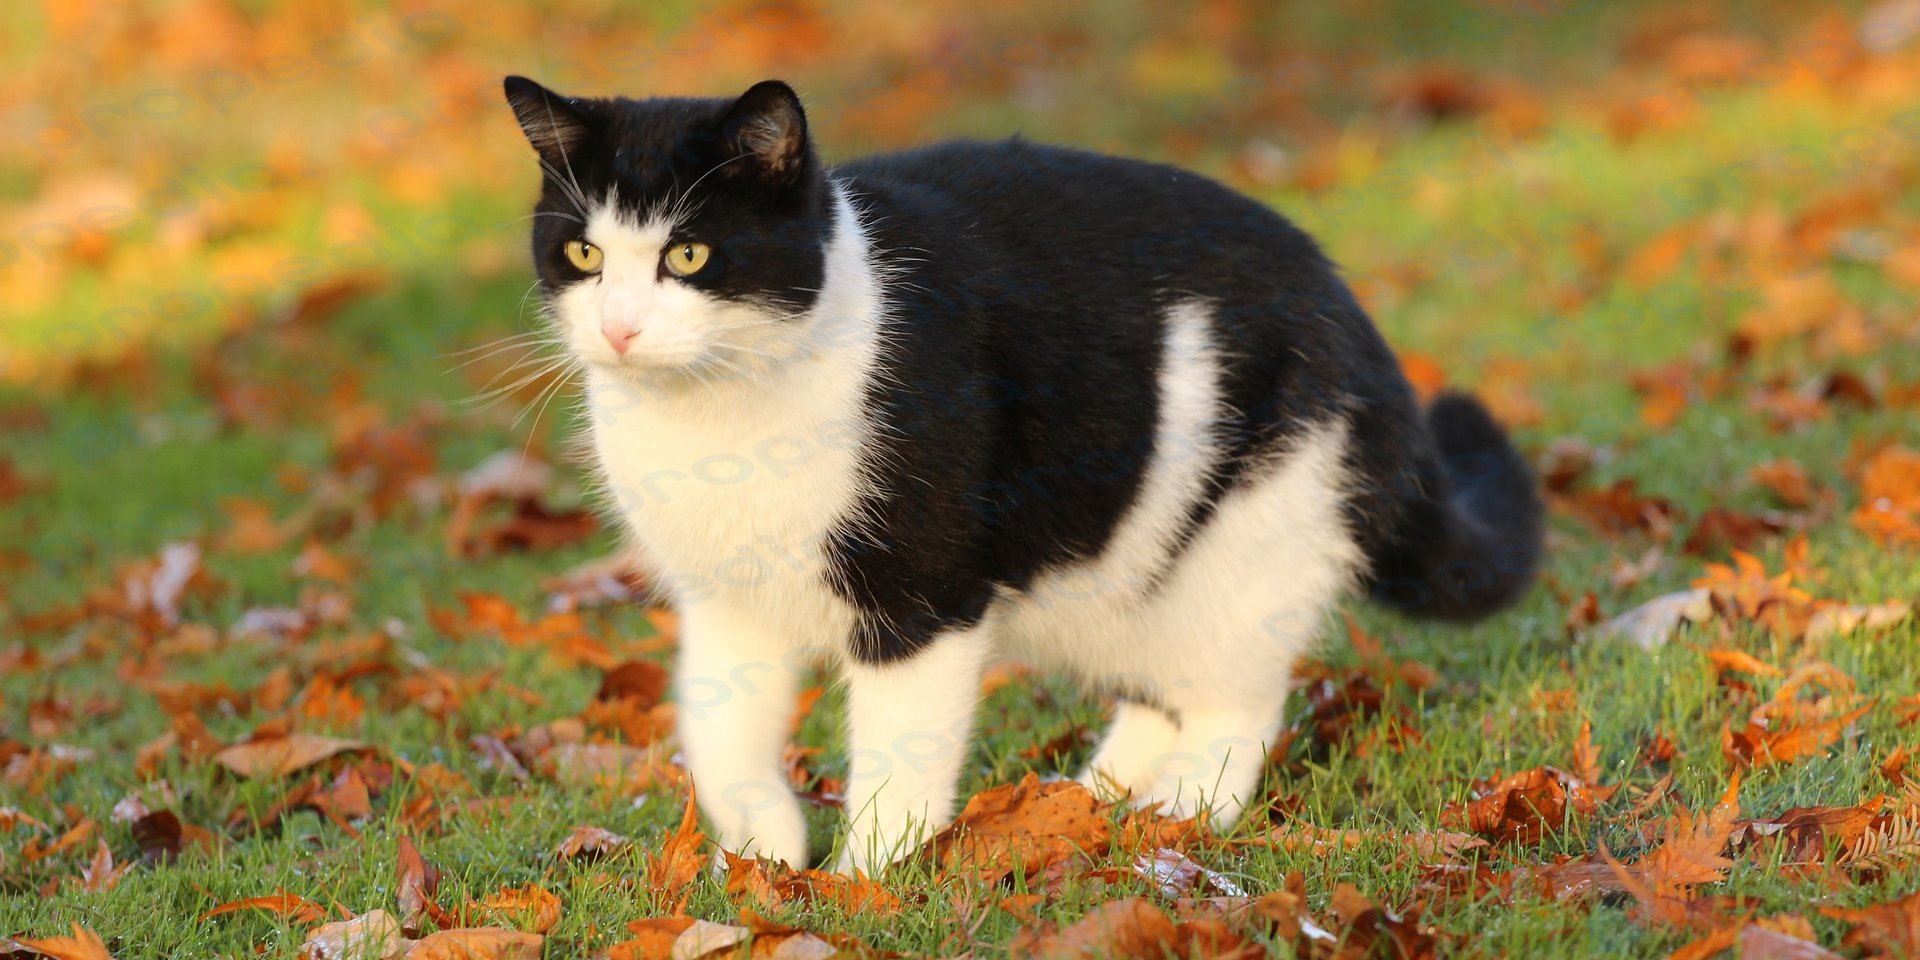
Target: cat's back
<point>1013,189</point>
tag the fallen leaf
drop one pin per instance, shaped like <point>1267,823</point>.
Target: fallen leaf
<point>1884,929</point>
<point>591,843</point>
<point>476,943</point>
<point>653,938</point>
<point>374,934</point>
<point>84,944</point>
<point>280,756</point>
<point>679,861</point>
<point>1023,826</point>
<point>416,883</point>
<point>1787,480</point>
<point>1758,746</point>
<point>1653,623</point>
<point>294,908</point>
<point>528,908</point>
<point>1760,943</point>
<point>1131,927</point>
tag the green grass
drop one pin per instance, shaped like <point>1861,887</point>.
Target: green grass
<point>142,461</point>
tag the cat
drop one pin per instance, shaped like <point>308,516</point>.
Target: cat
<point>912,413</point>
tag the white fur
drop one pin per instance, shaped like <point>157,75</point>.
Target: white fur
<point>730,481</point>
<point>733,442</point>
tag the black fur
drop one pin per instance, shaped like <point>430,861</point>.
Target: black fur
<point>1029,291</point>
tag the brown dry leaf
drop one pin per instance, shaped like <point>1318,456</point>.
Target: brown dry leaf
<point>1726,660</point>
<point>416,883</point>
<point>11,818</point>
<point>74,836</point>
<point>84,944</point>
<point>1126,928</point>
<point>252,527</point>
<point>633,770</point>
<point>1023,826</point>
<point>653,938</point>
<point>1720,529</point>
<point>1689,854</point>
<point>375,933</point>
<point>1369,930</point>
<point>1584,613</point>
<point>162,836</point>
<point>1894,767</point>
<point>591,843</point>
<point>1787,480</point>
<point>641,680</point>
<point>279,756</point>
<point>477,943</point>
<point>1425,846</point>
<point>1717,942</point>
<point>1586,756</point>
<point>1620,508</point>
<point>705,937</point>
<point>856,894</point>
<point>1804,834</point>
<point>1890,497</point>
<point>295,908</point>
<point>1526,806</point>
<point>679,861</point>
<point>1884,929</point>
<point>528,908</point>
<point>1758,942</point>
<point>1757,746</point>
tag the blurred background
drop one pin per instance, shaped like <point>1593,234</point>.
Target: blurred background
<point>177,168</point>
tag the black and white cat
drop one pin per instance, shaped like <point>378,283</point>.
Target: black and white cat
<point>915,412</point>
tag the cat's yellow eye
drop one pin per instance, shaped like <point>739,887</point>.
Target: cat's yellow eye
<point>584,256</point>
<point>685,259</point>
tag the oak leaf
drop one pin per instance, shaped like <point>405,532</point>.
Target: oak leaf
<point>1023,826</point>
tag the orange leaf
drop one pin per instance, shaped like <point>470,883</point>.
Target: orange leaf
<point>1120,928</point>
<point>83,945</point>
<point>477,943</point>
<point>679,861</point>
<point>653,938</point>
<point>529,908</point>
<point>1026,825</point>
<point>297,909</point>
<point>280,756</point>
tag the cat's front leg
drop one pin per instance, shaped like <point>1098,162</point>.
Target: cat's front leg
<point>735,684</point>
<point>911,724</point>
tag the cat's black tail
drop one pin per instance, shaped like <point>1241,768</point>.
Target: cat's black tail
<point>1468,543</point>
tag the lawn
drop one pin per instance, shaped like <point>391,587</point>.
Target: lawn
<point>1681,259</point>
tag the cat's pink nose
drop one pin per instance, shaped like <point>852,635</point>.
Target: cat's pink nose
<point>618,336</point>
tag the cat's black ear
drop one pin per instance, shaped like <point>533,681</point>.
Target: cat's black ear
<point>768,127</point>
<point>551,122</point>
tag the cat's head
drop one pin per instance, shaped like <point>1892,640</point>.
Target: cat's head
<point>671,232</point>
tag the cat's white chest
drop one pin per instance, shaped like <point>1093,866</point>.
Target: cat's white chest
<point>733,491</point>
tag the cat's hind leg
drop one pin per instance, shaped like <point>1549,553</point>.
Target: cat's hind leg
<point>1139,739</point>
<point>1249,596</point>
<point>1214,762</point>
